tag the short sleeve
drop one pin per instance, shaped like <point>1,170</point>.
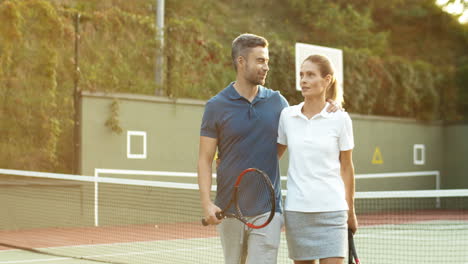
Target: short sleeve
<point>282,138</point>
<point>346,140</point>
<point>209,122</point>
<point>284,102</point>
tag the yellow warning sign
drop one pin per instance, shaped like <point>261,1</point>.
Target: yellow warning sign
<point>377,158</point>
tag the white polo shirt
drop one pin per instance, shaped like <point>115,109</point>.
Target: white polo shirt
<point>314,145</point>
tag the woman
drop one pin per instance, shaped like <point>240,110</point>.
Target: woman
<point>319,206</point>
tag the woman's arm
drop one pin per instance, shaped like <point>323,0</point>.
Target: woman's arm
<point>347,174</point>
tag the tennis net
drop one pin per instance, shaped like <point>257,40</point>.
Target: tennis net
<point>61,218</point>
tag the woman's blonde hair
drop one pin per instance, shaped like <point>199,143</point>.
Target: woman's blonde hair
<point>325,66</point>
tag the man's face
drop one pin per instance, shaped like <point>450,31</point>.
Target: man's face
<point>256,65</point>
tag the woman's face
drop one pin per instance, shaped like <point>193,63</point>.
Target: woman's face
<point>312,82</point>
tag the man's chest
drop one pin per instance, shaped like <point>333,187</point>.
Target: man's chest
<point>249,120</point>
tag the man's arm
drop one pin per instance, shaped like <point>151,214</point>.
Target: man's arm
<point>281,149</point>
<point>207,150</point>
<point>347,174</point>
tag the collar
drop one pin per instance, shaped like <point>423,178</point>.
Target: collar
<point>234,95</point>
<point>297,111</point>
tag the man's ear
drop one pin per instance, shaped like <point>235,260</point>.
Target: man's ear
<point>240,61</point>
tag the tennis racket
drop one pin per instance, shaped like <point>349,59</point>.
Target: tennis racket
<point>352,254</point>
<point>253,195</point>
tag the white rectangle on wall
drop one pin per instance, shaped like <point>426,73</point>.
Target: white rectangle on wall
<point>419,154</point>
<point>131,134</point>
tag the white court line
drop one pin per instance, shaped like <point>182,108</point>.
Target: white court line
<point>34,260</point>
<point>110,255</point>
<point>409,236</point>
<point>115,244</point>
<point>423,225</point>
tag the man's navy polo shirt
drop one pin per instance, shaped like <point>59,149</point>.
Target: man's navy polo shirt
<point>247,134</point>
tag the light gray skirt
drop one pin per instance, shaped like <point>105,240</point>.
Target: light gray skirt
<point>316,235</point>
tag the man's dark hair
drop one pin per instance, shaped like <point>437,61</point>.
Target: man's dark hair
<point>243,43</point>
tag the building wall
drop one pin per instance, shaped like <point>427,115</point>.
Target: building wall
<point>456,156</point>
<point>172,129</point>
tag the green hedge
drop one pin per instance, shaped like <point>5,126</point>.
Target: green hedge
<point>118,48</point>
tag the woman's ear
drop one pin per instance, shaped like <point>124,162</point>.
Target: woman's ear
<point>329,80</point>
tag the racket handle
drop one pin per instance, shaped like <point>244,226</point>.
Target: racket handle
<point>219,215</point>
<point>350,251</point>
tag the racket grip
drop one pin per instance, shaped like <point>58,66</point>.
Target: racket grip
<point>219,215</point>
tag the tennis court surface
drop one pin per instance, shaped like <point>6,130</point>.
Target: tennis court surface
<point>57,218</point>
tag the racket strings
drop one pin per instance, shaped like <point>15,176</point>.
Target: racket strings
<point>255,197</point>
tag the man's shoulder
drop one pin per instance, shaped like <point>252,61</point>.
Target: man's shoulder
<point>270,92</point>
<point>276,96</point>
<point>219,98</point>
<point>213,100</point>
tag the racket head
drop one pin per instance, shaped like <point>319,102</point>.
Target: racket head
<point>254,197</point>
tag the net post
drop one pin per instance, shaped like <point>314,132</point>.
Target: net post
<point>96,193</point>
<point>437,188</point>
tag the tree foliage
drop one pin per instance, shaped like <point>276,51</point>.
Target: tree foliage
<point>31,101</point>
<point>403,58</point>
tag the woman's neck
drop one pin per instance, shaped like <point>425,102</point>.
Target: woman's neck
<point>313,106</point>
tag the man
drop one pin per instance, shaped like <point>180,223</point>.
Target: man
<point>242,122</point>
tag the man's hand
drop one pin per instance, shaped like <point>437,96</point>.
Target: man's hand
<point>210,210</point>
<point>333,107</point>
